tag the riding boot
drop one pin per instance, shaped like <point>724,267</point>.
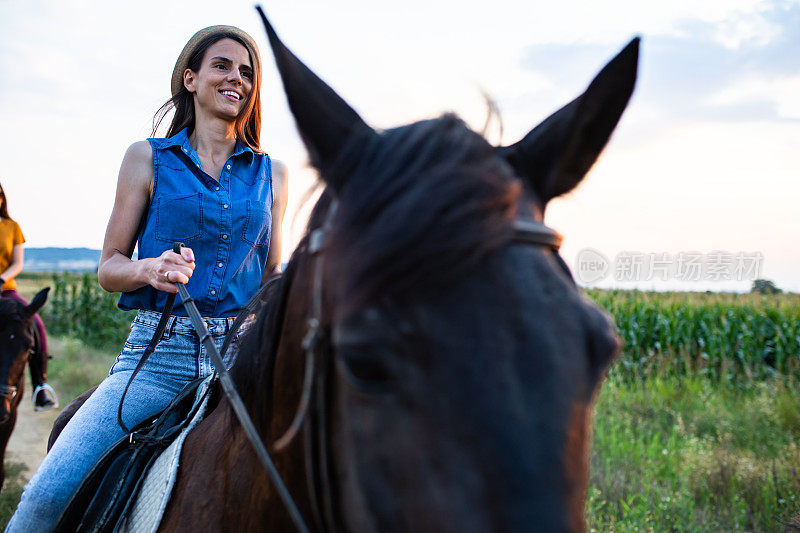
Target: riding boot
<point>44,397</point>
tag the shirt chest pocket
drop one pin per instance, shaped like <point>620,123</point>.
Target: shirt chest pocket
<point>179,218</point>
<point>257,223</point>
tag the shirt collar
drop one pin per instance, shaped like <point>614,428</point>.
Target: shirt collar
<point>181,139</point>
<point>242,148</point>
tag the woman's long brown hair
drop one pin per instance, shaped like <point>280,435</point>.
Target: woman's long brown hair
<point>248,123</point>
<point>4,206</point>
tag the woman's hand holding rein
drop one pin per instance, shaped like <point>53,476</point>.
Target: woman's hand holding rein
<point>169,268</point>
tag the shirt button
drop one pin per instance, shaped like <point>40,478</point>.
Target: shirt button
<point>225,236</point>
<point>213,292</point>
<point>220,265</point>
<point>216,188</point>
<point>229,167</point>
<point>224,206</point>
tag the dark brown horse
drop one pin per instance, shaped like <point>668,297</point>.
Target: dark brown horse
<point>16,344</point>
<point>456,392</point>
<point>457,368</point>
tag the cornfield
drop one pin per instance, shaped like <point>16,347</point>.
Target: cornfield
<point>724,336</point>
<point>79,308</point>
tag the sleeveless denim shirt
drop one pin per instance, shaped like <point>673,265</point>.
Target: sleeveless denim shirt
<point>227,225</point>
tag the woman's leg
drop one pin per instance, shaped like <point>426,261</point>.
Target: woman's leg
<point>44,397</point>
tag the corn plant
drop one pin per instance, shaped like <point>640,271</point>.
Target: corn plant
<point>729,337</point>
<point>80,308</point>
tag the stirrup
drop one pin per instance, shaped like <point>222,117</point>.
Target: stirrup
<point>54,398</point>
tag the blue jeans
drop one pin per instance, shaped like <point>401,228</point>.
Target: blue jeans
<point>178,359</point>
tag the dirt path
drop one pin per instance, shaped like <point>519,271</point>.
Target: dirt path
<point>28,442</point>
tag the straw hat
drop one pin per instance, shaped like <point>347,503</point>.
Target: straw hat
<point>183,60</point>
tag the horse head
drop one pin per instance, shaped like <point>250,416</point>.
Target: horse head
<point>16,343</point>
<point>455,368</point>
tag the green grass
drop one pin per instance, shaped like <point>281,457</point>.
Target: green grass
<point>76,367</point>
<point>691,454</point>
<point>12,490</point>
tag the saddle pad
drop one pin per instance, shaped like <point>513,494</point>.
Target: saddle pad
<point>145,515</point>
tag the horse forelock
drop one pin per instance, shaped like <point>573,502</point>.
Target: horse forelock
<point>424,203</point>
<point>11,316</point>
<point>9,309</point>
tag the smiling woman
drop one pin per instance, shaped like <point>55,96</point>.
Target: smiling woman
<point>248,123</point>
<point>208,185</point>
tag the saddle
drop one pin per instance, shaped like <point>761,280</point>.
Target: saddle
<point>109,490</point>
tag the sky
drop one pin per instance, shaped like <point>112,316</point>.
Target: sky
<point>701,174</point>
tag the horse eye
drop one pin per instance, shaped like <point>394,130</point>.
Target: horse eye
<point>11,336</point>
<point>365,370</point>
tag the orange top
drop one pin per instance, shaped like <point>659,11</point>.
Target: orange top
<point>10,236</point>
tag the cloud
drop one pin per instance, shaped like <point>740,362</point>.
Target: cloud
<point>737,69</point>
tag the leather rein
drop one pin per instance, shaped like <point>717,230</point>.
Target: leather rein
<point>314,343</point>
<point>225,381</point>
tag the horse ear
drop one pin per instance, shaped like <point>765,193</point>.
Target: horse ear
<point>326,122</point>
<point>556,155</point>
<point>37,302</point>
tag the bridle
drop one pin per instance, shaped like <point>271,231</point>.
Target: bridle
<point>9,392</point>
<point>317,347</point>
